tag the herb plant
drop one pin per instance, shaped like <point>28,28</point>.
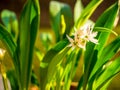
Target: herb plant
<point>77,38</point>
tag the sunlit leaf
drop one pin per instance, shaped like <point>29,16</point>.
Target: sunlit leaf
<point>49,58</point>
<point>102,29</point>
<point>78,9</point>
<point>110,71</point>
<point>106,20</point>
<point>108,52</point>
<point>87,12</point>
<point>70,67</point>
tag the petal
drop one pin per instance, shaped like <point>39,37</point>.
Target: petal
<point>94,34</point>
<point>94,40</point>
<point>70,39</point>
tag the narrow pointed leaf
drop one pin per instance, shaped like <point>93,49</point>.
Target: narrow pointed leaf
<point>110,71</point>
<point>108,52</point>
<point>87,12</point>
<point>106,20</point>
<point>78,9</point>
<point>29,23</point>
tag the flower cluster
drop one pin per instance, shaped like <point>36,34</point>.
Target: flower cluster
<point>82,36</point>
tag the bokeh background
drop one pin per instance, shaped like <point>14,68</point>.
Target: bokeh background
<point>17,5</point>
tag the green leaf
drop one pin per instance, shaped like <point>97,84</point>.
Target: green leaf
<point>9,19</point>
<point>56,10</point>
<point>80,83</point>
<point>6,38</point>
<point>102,29</point>
<point>9,43</point>
<point>87,12</point>
<point>11,75</point>
<point>111,70</point>
<point>106,20</point>
<point>106,84</point>
<point>48,58</point>
<point>78,9</point>
<point>54,62</point>
<point>34,79</point>
<point>108,52</point>
<point>29,23</point>
<point>89,64</point>
<point>71,66</point>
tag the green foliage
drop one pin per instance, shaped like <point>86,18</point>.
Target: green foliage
<point>25,38</point>
<point>58,64</point>
<point>22,51</point>
<point>87,12</point>
<point>9,19</point>
<point>92,52</point>
<point>29,22</point>
<point>78,10</point>
<point>56,10</point>
<point>51,61</point>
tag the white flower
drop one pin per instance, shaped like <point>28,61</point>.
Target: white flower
<point>82,36</point>
<point>89,35</point>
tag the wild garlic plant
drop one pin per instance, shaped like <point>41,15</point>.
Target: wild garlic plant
<point>77,40</point>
